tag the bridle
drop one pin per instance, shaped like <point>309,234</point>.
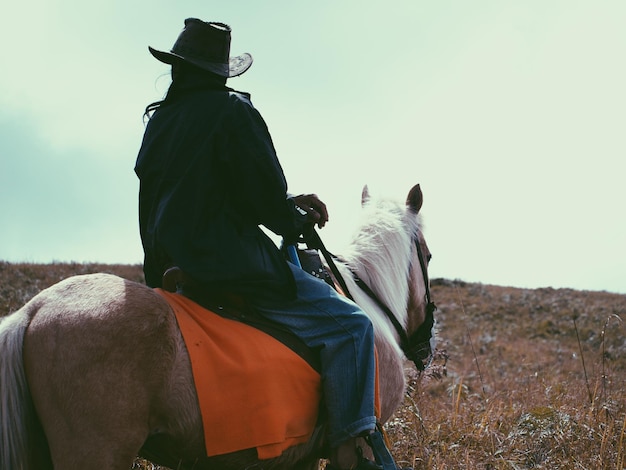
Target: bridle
<point>417,346</point>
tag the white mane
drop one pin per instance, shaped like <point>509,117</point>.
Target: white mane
<point>380,254</point>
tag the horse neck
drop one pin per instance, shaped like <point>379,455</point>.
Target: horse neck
<point>384,268</point>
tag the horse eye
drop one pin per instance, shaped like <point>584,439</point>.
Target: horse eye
<point>430,257</point>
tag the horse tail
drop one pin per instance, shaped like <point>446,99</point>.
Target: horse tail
<point>17,412</point>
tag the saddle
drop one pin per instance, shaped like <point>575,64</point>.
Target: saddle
<point>236,308</point>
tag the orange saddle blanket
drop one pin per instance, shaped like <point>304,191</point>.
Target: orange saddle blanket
<point>254,392</point>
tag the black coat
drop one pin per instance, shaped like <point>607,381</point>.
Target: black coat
<point>209,176</point>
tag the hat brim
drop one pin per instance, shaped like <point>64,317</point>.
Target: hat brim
<point>236,65</point>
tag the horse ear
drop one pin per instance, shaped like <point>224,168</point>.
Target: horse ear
<point>365,195</point>
<point>415,199</point>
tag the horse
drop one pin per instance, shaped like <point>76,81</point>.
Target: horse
<point>94,371</point>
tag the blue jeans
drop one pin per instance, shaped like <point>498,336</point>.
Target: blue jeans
<point>336,326</point>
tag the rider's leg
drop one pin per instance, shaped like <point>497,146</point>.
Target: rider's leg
<point>345,338</point>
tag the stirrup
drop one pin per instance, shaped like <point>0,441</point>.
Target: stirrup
<point>382,455</point>
<point>384,460</point>
<point>363,463</point>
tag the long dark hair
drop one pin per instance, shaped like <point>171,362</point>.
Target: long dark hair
<point>186,78</point>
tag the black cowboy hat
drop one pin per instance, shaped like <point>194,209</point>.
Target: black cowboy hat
<point>205,45</point>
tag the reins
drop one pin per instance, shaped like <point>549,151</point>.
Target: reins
<point>417,347</point>
<point>314,241</point>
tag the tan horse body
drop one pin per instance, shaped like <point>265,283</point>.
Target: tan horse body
<point>94,370</point>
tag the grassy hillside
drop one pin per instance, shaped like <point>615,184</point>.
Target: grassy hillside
<point>523,378</point>
<point>526,378</point>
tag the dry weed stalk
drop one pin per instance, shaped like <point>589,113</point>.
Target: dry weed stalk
<point>582,358</point>
<point>603,338</point>
<point>621,457</point>
<point>471,342</point>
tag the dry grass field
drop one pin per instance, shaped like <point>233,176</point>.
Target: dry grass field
<point>523,378</point>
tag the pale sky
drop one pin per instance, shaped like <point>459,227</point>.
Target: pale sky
<point>510,114</point>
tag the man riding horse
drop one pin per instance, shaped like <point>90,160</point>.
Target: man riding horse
<point>209,178</point>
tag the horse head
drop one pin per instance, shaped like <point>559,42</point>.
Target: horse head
<point>388,258</point>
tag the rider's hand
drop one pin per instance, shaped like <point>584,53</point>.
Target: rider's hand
<point>315,209</point>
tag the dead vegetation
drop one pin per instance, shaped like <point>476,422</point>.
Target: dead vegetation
<point>523,378</point>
